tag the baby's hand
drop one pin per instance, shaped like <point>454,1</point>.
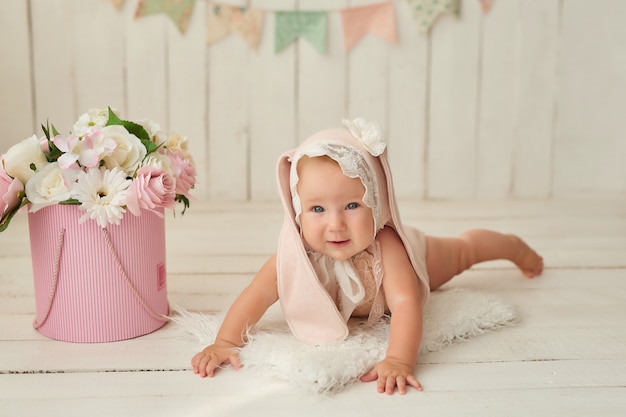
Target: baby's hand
<point>392,373</point>
<point>206,362</point>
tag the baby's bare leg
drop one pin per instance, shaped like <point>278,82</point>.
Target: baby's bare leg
<point>448,257</point>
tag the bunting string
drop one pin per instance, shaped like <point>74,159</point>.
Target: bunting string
<point>377,19</point>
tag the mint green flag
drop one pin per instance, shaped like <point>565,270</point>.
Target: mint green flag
<point>309,25</point>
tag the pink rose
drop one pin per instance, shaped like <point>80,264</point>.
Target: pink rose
<point>9,190</point>
<point>151,189</point>
<point>185,172</point>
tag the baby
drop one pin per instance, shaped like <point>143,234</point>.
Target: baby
<point>343,252</point>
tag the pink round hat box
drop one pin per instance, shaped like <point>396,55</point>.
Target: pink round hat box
<point>95,284</point>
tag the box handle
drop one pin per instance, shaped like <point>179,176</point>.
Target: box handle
<point>55,276</point>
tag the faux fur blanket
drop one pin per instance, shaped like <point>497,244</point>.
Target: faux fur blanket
<point>449,316</point>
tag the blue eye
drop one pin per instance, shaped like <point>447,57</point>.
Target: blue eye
<point>352,206</point>
<point>317,209</point>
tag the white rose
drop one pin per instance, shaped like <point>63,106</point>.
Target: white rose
<point>93,118</point>
<point>50,185</point>
<point>157,160</point>
<point>128,153</point>
<point>157,136</point>
<point>368,133</point>
<point>178,144</point>
<point>20,157</point>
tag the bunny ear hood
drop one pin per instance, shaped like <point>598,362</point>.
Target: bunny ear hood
<point>309,310</point>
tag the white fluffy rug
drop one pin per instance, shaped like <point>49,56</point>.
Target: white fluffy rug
<point>449,316</point>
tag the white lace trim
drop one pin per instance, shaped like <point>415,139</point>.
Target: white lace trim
<point>352,164</point>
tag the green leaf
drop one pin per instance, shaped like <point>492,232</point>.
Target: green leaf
<point>46,130</point>
<point>134,129</point>
<point>182,199</point>
<point>70,201</point>
<point>54,152</point>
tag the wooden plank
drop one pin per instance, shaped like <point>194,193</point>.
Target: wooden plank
<point>228,120</point>
<point>228,75</point>
<point>186,84</point>
<point>98,55</point>
<point>368,78</point>
<point>497,95</point>
<point>272,116</point>
<point>16,102</point>
<point>54,82</point>
<point>442,378</point>
<point>407,112</point>
<point>182,393</point>
<point>322,77</point>
<point>590,145</point>
<point>146,63</point>
<point>534,141</point>
<point>453,105</point>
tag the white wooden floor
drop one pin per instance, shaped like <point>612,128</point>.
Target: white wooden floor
<point>567,357</point>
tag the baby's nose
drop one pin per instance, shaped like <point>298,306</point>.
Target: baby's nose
<point>336,221</point>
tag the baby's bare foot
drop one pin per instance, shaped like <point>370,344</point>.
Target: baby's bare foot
<point>526,259</point>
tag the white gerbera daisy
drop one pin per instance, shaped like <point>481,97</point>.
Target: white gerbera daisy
<point>102,194</point>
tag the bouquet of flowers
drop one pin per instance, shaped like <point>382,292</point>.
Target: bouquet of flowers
<point>106,165</point>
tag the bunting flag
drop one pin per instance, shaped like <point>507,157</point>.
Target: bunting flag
<point>378,19</point>
<point>177,10</point>
<point>117,4</point>
<point>485,5</point>
<point>309,25</point>
<point>224,19</point>
<point>427,11</point>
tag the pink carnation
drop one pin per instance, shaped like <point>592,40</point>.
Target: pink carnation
<point>9,190</point>
<point>151,189</point>
<point>185,173</point>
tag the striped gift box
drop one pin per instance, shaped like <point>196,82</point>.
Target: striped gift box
<point>94,284</point>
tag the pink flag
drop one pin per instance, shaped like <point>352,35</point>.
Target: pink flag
<point>378,19</point>
<point>485,5</point>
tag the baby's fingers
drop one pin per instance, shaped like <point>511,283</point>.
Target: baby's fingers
<point>235,361</point>
<point>389,384</point>
<point>205,365</point>
<point>370,376</point>
<point>412,381</point>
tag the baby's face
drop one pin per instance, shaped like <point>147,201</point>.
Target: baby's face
<point>334,219</point>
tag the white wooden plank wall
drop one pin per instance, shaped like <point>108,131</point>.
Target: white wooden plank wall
<point>522,102</point>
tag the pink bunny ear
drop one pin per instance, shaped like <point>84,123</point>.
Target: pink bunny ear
<point>311,314</point>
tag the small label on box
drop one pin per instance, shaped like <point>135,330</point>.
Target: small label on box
<point>161,276</point>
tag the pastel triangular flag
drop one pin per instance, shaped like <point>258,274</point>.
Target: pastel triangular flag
<point>117,4</point>
<point>378,19</point>
<point>224,20</point>
<point>485,5</point>
<point>309,25</point>
<point>427,11</point>
<point>177,10</point>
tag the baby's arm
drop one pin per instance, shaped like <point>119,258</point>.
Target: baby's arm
<point>402,293</point>
<point>244,313</point>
